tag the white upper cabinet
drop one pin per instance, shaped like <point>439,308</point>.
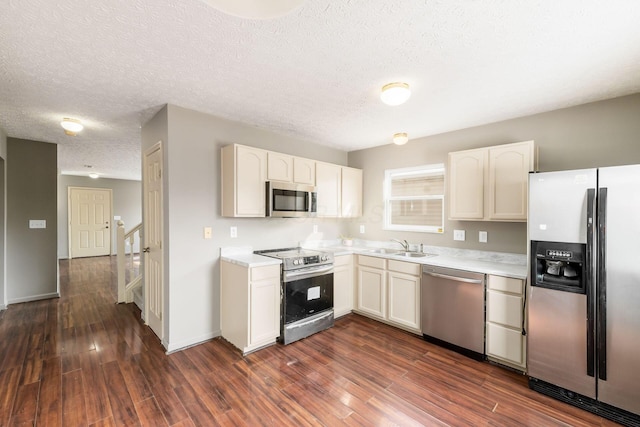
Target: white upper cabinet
<point>304,171</point>
<point>490,184</point>
<point>279,167</point>
<point>351,197</point>
<point>329,188</point>
<point>244,174</point>
<point>245,171</point>
<point>466,184</point>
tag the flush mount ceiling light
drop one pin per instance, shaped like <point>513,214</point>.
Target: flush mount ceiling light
<point>255,9</point>
<point>71,126</point>
<point>400,138</point>
<point>93,175</point>
<point>395,93</point>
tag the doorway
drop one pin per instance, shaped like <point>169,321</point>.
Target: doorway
<point>89,222</point>
<point>152,239</point>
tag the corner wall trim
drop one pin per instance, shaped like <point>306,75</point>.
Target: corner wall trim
<point>173,347</point>
<point>33,298</point>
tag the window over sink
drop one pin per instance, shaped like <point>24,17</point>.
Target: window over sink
<point>414,199</point>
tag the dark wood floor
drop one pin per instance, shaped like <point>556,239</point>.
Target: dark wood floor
<point>83,360</point>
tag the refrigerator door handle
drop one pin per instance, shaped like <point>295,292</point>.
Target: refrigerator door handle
<point>591,336</point>
<point>601,317</point>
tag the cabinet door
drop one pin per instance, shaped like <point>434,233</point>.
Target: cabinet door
<point>466,184</point>
<point>328,185</point>
<point>504,309</point>
<point>404,300</point>
<point>351,197</point>
<point>372,291</point>
<point>343,285</point>
<point>264,323</point>
<point>304,171</point>
<point>509,167</point>
<point>279,167</point>
<point>505,343</point>
<point>251,174</point>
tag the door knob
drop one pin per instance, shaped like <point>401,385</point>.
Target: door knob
<point>146,250</point>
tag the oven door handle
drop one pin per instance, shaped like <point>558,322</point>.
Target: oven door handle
<point>289,276</point>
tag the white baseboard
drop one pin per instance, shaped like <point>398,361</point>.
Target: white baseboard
<point>33,298</point>
<point>173,347</point>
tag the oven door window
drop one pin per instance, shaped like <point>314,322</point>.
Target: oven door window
<point>305,297</point>
<point>290,201</point>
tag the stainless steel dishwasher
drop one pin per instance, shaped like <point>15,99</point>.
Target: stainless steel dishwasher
<point>452,309</point>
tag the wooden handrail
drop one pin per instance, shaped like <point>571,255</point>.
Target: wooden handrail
<point>127,262</point>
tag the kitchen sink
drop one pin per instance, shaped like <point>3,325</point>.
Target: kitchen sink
<point>413,254</point>
<point>384,251</point>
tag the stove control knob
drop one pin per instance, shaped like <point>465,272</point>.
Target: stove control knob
<point>325,257</point>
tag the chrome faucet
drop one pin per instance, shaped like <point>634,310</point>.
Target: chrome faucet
<point>404,243</point>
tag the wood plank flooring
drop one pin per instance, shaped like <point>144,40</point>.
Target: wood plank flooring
<point>82,360</point>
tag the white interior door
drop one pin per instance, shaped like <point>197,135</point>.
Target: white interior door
<point>89,222</point>
<point>152,235</point>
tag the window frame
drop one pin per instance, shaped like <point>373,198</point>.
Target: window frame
<point>390,174</point>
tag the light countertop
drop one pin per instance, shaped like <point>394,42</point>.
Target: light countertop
<point>501,264</point>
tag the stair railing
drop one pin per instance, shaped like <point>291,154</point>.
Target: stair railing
<point>128,259</point>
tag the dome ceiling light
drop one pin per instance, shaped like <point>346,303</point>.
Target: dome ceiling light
<point>395,93</point>
<point>71,126</point>
<point>255,9</point>
<point>400,138</point>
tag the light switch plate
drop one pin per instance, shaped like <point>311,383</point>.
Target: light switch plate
<point>482,236</point>
<point>459,235</point>
<point>207,232</point>
<point>233,231</point>
<point>361,228</point>
<point>37,223</point>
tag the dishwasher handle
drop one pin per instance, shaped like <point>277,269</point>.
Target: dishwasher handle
<point>456,278</point>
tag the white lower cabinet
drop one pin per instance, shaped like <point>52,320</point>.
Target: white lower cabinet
<point>404,294</point>
<point>342,285</point>
<point>505,310</point>
<point>250,305</point>
<point>389,290</point>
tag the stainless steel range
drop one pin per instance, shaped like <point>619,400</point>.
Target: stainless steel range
<point>306,292</point>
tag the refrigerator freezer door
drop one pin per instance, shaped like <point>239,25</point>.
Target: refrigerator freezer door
<point>558,205</point>
<point>622,270</point>
<point>557,340</point>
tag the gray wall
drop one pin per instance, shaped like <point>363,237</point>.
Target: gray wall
<point>127,203</point>
<point>3,186</point>
<point>192,143</point>
<point>32,267</point>
<point>603,133</point>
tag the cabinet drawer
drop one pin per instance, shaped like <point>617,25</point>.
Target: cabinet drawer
<point>505,343</point>
<point>404,267</point>
<point>266,272</point>
<point>505,284</point>
<point>371,261</point>
<point>342,260</point>
<point>504,309</point>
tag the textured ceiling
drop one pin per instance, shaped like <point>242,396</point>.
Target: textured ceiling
<point>314,73</point>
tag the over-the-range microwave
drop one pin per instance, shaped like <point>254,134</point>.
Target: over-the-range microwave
<point>287,200</point>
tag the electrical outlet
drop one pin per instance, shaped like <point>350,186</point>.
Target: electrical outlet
<point>361,228</point>
<point>315,229</point>
<point>233,231</point>
<point>207,232</point>
<point>482,237</point>
<point>458,235</point>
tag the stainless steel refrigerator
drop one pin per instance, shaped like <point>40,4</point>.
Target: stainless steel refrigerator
<point>583,336</point>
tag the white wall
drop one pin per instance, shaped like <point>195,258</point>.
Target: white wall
<point>192,143</point>
<point>127,203</point>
